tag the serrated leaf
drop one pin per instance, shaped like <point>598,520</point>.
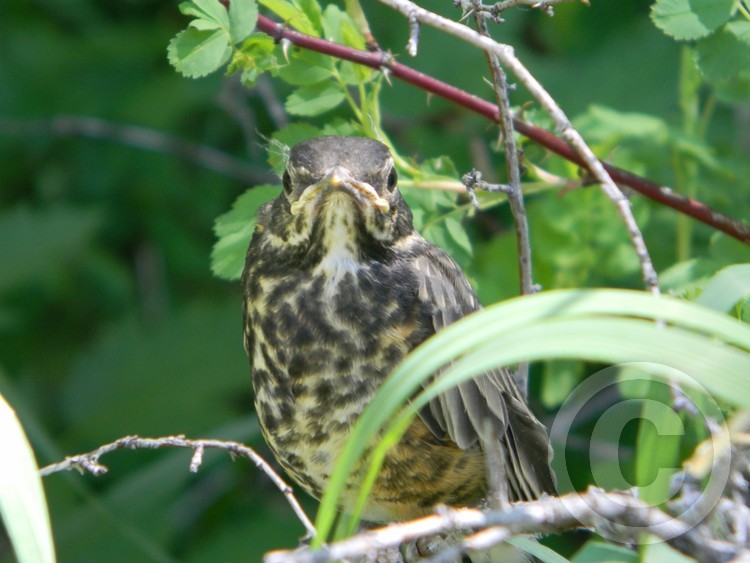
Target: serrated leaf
<point>726,55</point>
<point>690,19</point>
<point>314,99</point>
<point>213,10</point>
<point>22,503</point>
<point>204,25</point>
<point>190,9</point>
<point>196,53</point>
<point>234,230</point>
<point>243,15</point>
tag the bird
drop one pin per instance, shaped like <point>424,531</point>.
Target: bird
<point>338,288</point>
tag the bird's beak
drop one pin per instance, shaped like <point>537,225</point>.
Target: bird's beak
<point>339,178</point>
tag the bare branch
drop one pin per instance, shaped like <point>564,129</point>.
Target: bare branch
<point>89,462</point>
<point>493,12</point>
<point>610,513</point>
<point>413,43</point>
<point>142,138</point>
<point>515,195</point>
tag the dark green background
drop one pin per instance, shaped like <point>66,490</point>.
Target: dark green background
<point>110,321</point>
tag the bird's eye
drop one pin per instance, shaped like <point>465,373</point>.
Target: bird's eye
<point>287,181</point>
<point>392,180</point>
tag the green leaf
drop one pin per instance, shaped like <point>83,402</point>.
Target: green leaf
<point>311,8</point>
<point>594,551</point>
<point>726,288</point>
<point>196,53</point>
<point>314,99</point>
<point>613,326</point>
<point>204,25</point>
<point>654,550</point>
<point>458,234</point>
<point>284,139</point>
<point>660,434</point>
<point>305,68</point>
<point>22,503</point>
<point>212,10</point>
<point>292,15</point>
<point>690,19</point>
<point>559,379</point>
<point>234,230</point>
<point>255,57</point>
<point>734,90</point>
<point>601,124</point>
<point>243,15</point>
<point>539,551</point>
<point>726,55</point>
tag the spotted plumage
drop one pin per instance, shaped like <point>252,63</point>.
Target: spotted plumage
<point>338,288</point>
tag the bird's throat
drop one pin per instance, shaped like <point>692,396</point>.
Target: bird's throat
<point>339,241</point>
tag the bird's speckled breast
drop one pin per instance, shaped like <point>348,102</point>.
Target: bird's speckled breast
<point>321,345</point>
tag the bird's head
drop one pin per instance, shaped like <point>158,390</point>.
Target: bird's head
<point>339,191</point>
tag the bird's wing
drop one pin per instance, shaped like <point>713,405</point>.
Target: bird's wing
<point>461,413</point>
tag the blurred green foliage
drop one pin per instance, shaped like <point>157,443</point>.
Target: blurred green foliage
<point>111,322</point>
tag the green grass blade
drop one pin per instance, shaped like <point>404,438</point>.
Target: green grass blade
<point>22,503</point>
<point>611,326</point>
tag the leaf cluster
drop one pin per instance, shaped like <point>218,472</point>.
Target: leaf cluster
<point>719,34</point>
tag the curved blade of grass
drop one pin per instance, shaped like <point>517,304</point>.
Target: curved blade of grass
<point>724,371</point>
<point>22,504</point>
<point>521,330</point>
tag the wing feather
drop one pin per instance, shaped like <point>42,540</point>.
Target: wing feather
<point>460,413</point>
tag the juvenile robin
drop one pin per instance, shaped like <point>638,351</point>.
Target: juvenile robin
<point>338,288</point>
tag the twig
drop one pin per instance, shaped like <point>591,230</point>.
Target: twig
<point>379,60</point>
<point>142,138</point>
<point>413,43</point>
<point>613,514</point>
<point>507,57</point>
<point>493,12</point>
<point>89,462</point>
<point>515,194</point>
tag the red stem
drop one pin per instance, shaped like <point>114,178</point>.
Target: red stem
<point>385,62</point>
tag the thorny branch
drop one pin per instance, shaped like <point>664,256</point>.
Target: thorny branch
<point>386,63</point>
<point>89,462</point>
